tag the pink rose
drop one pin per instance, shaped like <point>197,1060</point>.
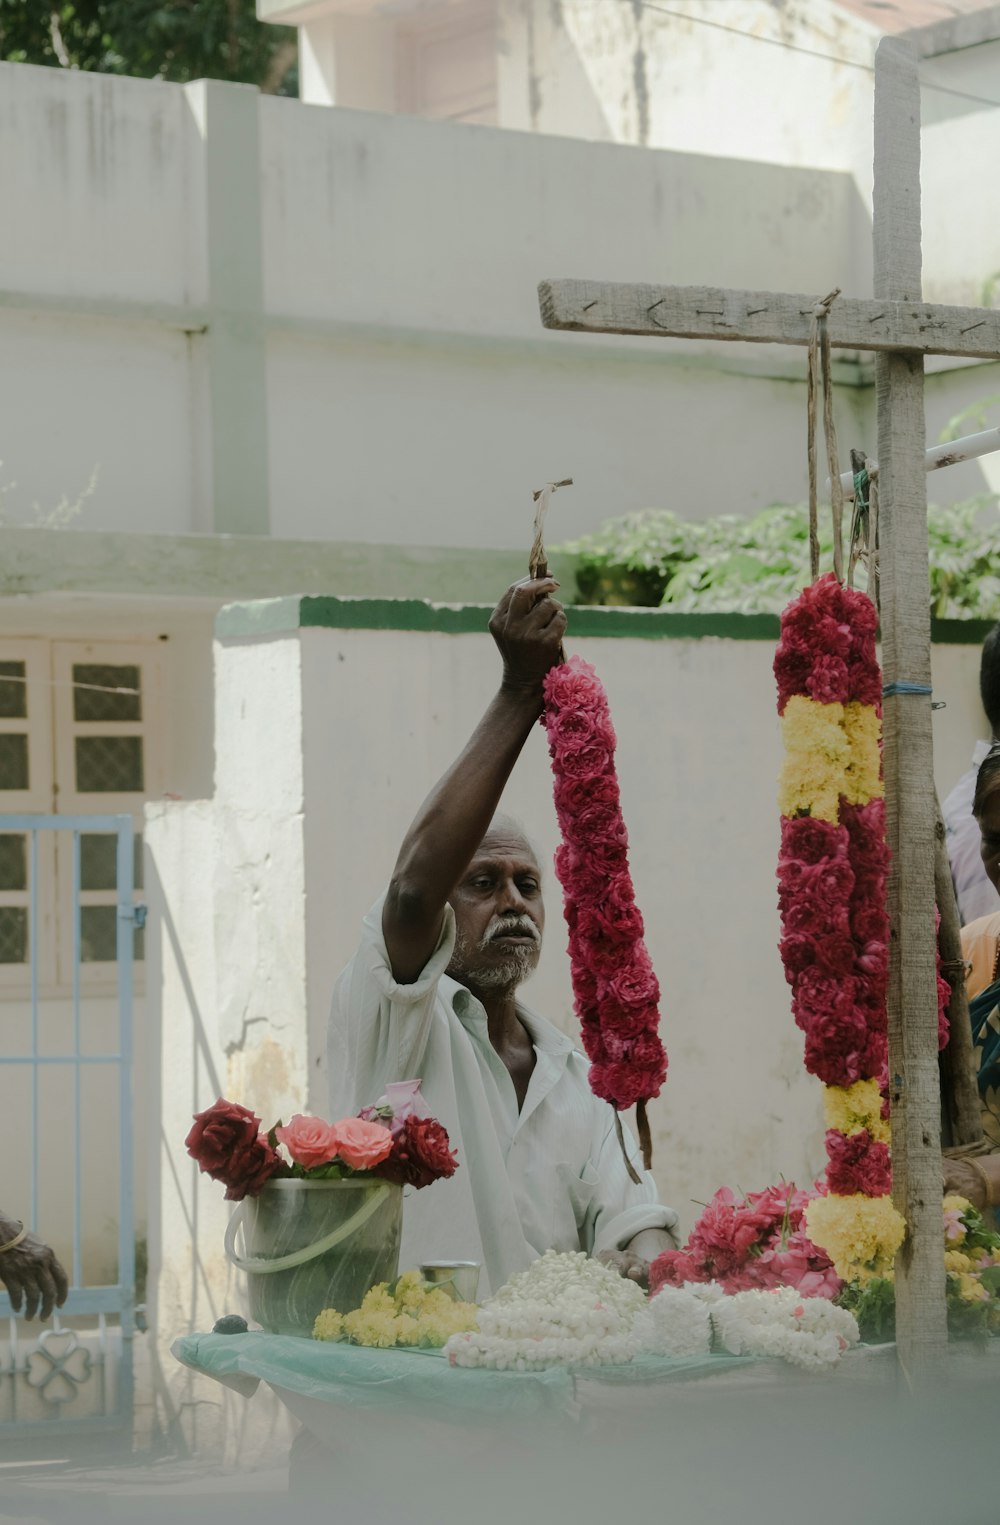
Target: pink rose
<point>636,985</point>
<point>573,685</point>
<point>587,761</point>
<point>359,1144</point>
<point>404,1100</point>
<point>309,1140</point>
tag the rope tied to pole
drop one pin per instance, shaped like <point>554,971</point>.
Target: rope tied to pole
<point>819,375</point>
<point>538,565</point>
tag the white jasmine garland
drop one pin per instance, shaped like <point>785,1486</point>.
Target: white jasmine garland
<point>810,1332</point>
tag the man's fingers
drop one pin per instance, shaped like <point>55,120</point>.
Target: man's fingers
<point>13,1285</point>
<point>47,1288</point>
<point>61,1280</point>
<point>30,1297</point>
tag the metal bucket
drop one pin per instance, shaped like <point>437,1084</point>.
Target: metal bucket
<point>310,1245</point>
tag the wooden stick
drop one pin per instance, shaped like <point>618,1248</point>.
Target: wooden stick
<point>914,1086</point>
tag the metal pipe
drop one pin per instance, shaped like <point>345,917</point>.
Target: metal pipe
<point>966,449</point>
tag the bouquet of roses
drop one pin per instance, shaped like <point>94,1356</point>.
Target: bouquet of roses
<point>395,1140</point>
<point>757,1242</point>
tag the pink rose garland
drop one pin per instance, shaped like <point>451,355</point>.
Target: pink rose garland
<point>616,993</point>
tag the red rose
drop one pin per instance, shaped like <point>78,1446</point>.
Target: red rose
<point>574,795</point>
<point>858,1164</point>
<point>798,952</point>
<point>421,1154</point>
<point>835,954</point>
<point>791,669</point>
<point>864,682</point>
<point>828,682</point>
<point>832,636</point>
<point>595,948</point>
<point>227,1145</point>
<point>636,985</point>
<point>806,840</point>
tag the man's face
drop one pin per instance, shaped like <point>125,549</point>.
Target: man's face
<point>499,915</point>
<point>989,828</point>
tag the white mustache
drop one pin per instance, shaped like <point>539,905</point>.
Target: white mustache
<point>516,926</point>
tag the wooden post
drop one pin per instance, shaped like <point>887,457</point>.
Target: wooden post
<point>921,1323</point>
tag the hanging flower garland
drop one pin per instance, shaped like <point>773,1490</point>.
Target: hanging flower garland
<point>616,992</point>
<point>832,869</point>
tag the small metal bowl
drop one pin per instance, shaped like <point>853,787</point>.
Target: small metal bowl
<point>459,1278</point>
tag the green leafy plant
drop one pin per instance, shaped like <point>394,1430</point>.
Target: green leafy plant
<point>756,565</point>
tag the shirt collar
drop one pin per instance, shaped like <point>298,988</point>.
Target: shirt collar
<point>546,1038</point>
<point>982,747</point>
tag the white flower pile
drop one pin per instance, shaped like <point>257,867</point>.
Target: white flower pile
<point>569,1310</point>
<point>676,1322</point>
<point>810,1332</point>
<point>564,1310</point>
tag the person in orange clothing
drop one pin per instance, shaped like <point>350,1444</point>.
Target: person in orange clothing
<point>977,1177</point>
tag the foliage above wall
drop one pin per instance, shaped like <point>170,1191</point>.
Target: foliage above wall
<point>756,565</point>
<point>213,39</point>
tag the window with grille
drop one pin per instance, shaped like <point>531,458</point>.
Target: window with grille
<point>77,737</point>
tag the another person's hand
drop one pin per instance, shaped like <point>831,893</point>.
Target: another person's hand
<point>977,1178</point>
<point>528,626</point>
<point>31,1273</point>
<point>627,1263</point>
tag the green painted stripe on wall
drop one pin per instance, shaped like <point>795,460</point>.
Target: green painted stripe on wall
<point>278,616</point>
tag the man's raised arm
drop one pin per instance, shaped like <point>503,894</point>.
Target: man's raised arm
<point>528,626</point>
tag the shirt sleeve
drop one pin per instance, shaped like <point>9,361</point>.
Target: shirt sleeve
<point>624,1209</point>
<point>379,1028</point>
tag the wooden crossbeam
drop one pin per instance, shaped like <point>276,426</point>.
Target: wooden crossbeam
<point>767,317</point>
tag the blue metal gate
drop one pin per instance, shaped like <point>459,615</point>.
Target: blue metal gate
<point>75,1375</point>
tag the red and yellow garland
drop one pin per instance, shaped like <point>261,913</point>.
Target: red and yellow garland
<point>832,870</point>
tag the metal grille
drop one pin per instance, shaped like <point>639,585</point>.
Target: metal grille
<point>13,862</point>
<point>74,1377</point>
<point>109,765</point>
<point>13,692</point>
<point>13,934</point>
<point>13,761</point>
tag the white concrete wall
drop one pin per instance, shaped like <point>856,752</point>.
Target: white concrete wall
<point>699,752</point>
<point>380,273</point>
<point>227,961</point>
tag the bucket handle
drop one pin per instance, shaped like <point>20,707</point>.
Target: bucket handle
<point>261,1267</point>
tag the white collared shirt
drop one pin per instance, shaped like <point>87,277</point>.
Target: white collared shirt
<point>975,894</point>
<point>548,1177</point>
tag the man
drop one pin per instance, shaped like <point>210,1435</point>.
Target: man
<point>30,1271</point>
<point>974,892</point>
<point>433,992</point>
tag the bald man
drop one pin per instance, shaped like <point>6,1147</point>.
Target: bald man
<point>434,992</point>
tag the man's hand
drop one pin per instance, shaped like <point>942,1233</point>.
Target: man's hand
<point>31,1273</point>
<point>627,1263</point>
<point>528,626</point>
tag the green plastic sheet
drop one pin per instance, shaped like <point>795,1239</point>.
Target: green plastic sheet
<point>405,1381</point>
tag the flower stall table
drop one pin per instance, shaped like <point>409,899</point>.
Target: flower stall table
<point>705,1439</point>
